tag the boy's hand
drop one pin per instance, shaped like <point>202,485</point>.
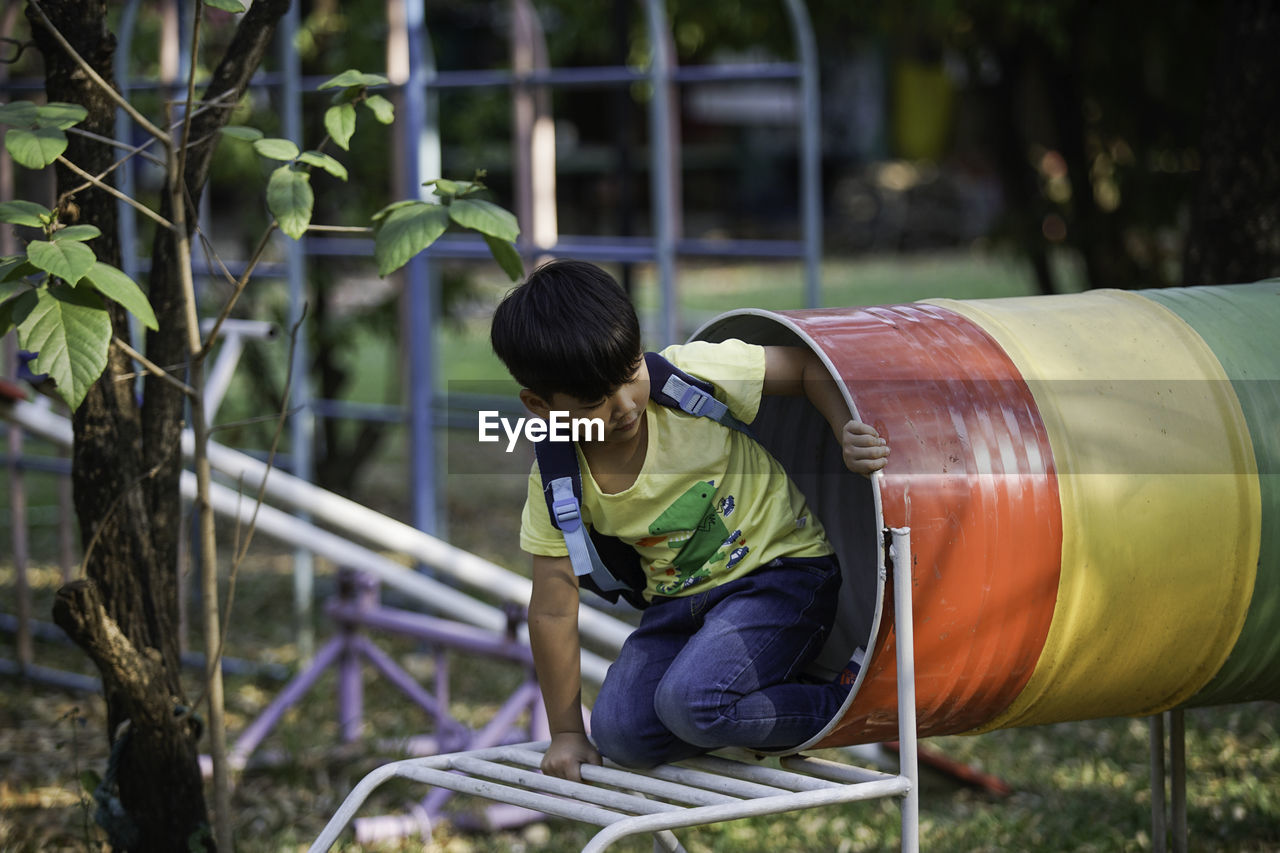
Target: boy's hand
<point>567,753</point>
<point>863,449</point>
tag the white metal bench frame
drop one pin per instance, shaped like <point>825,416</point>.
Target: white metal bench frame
<point>695,792</point>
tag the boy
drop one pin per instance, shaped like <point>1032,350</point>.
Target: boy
<point>741,579</point>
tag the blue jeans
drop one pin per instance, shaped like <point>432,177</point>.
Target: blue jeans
<point>718,668</point>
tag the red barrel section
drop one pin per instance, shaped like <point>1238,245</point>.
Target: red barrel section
<point>972,475</point>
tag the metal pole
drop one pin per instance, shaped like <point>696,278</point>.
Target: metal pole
<point>1158,822</point>
<point>21,553</point>
<point>302,422</point>
<point>810,151</point>
<point>1178,781</point>
<point>662,167</point>
<point>17,484</point>
<point>421,162</point>
<point>534,154</point>
<point>902,620</point>
<point>127,223</point>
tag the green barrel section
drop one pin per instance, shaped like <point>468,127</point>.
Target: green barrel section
<point>1241,325</point>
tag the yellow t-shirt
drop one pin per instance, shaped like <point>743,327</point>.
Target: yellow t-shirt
<point>709,504</point>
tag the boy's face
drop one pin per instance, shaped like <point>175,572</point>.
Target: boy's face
<point>621,410</point>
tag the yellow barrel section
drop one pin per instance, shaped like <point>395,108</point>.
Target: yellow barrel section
<point>1160,502</point>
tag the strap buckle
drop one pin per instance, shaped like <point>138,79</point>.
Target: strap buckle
<point>694,400</point>
<point>567,513</point>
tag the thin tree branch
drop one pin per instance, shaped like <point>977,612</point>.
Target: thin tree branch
<point>342,229</point>
<point>110,190</point>
<point>153,369</point>
<point>241,284</point>
<point>242,549</point>
<point>191,89</point>
<point>133,150</point>
<point>93,75</point>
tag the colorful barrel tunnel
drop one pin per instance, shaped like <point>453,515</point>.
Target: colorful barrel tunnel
<point>1092,483</point>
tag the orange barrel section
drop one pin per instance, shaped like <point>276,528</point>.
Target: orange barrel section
<point>1240,324</point>
<point>972,475</point>
<point>1159,495</point>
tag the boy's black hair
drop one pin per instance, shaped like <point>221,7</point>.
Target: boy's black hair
<point>570,328</point>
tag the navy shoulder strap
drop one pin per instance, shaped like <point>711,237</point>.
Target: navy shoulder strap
<point>562,490</point>
<point>672,387</point>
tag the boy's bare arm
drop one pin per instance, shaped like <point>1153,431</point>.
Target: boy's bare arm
<point>557,657</point>
<point>795,371</point>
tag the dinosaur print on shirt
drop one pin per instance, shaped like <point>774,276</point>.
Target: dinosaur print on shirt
<point>694,526</point>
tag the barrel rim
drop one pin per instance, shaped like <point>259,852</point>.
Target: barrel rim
<point>718,324</point>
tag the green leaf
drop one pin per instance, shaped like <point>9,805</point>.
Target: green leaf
<point>485,217</point>
<point>381,108</point>
<point>15,267</point>
<point>37,148</point>
<point>19,113</point>
<point>6,316</point>
<point>351,77</point>
<point>324,161</point>
<point>90,780</point>
<point>290,200</point>
<point>25,213</point>
<point>69,330</point>
<point>115,285</point>
<point>392,208</point>
<point>60,114</point>
<point>66,259</point>
<point>405,232</point>
<point>77,233</point>
<point>244,132</point>
<point>445,188</point>
<point>506,256</point>
<point>340,122</point>
<point>226,5</point>
<point>10,289</point>
<point>276,149</point>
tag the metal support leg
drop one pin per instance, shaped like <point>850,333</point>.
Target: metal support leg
<point>1159,826</point>
<point>907,756</point>
<point>1178,780</point>
<point>1161,838</point>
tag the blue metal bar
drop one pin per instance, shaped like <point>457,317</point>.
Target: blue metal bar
<point>810,150</point>
<point>126,218</point>
<point>301,422</point>
<point>580,76</point>
<point>663,169</point>
<point>587,247</point>
<point>41,464</point>
<point>422,162</point>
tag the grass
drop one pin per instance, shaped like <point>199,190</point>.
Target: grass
<point>1076,786</point>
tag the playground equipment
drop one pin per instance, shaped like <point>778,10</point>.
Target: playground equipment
<point>1090,483</point>
<point>690,793</point>
<point>1059,461</point>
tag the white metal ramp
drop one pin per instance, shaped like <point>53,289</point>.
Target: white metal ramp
<point>623,802</point>
<point>689,793</point>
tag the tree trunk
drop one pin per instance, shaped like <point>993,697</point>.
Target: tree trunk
<point>126,463</point>
<point>1235,223</point>
<point>160,789</point>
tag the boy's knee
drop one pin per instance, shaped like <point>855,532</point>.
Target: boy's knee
<point>616,735</point>
<point>621,745</point>
<point>694,716</point>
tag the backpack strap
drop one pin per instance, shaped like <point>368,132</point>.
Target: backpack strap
<point>562,485</point>
<point>672,387</point>
<point>562,490</point>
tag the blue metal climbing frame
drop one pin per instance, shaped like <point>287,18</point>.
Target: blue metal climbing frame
<point>418,86</point>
